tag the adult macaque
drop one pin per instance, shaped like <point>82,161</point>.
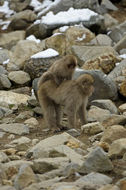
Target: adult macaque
<point>72,94</point>
<point>60,70</point>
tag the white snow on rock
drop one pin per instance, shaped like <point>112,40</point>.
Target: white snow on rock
<point>81,38</point>
<point>40,6</point>
<point>63,28</point>
<point>5,9</point>
<point>66,17</point>
<point>45,54</point>
<point>33,38</point>
<point>123,56</point>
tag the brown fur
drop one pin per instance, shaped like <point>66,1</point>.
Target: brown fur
<point>73,94</point>
<point>60,70</point>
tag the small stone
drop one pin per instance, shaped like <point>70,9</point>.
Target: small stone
<point>122,108</point>
<point>73,132</point>
<point>92,128</point>
<point>10,151</point>
<point>3,157</point>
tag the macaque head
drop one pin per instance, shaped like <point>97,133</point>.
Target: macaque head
<point>70,63</point>
<point>86,82</point>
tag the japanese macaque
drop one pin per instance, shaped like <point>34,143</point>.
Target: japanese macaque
<point>60,70</point>
<point>72,94</point>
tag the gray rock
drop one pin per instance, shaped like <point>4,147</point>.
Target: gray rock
<point>92,128</point>
<point>121,44</point>
<point>95,179</point>
<point>7,187</point>
<point>109,21</point>
<point>113,133</point>
<point>105,104</point>
<point>3,70</point>
<point>118,32</point>
<point>4,55</point>
<point>105,88</point>
<point>73,132</point>
<point>117,71</point>
<point>96,161</point>
<point>47,164</point>
<point>5,111</point>
<point>8,40</point>
<point>86,53</point>
<point>15,128</point>
<point>36,66</point>
<point>4,82</point>
<point>3,157</point>
<point>18,5</point>
<point>25,177</point>
<point>108,5</point>
<point>102,40</point>
<point>19,77</point>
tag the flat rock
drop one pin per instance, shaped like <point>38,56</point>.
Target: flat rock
<point>15,128</point>
<point>19,77</point>
<point>12,98</point>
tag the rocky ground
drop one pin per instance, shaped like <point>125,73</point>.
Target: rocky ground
<point>90,157</point>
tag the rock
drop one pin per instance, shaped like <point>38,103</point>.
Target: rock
<point>118,32</point>
<point>106,104</point>
<point>4,55</point>
<point>47,164</point>
<point>3,157</point>
<point>108,5</point>
<point>113,133</point>
<point>21,144</point>
<point>73,35</point>
<point>15,128</point>
<point>114,119</point>
<point>122,89</point>
<point>92,128</point>
<point>7,187</point>
<point>101,39</point>
<point>104,87</point>
<point>54,141</point>
<point>7,40</point>
<point>26,48</point>
<point>117,71</point>
<point>122,108</point>
<point>36,66</point>
<point>105,63</point>
<point>22,90</point>
<point>109,187</point>
<point>22,20</point>
<point>57,42</point>
<point>73,132</point>
<point>86,53</point>
<point>18,6</point>
<point>12,98</point>
<point>98,114</point>
<point>4,82</point>
<point>95,19</point>
<point>19,77</point>
<point>24,115</point>
<point>25,177</point>
<point>11,168</point>
<point>32,122</point>
<point>96,161</point>
<point>121,44</point>
<point>109,21</point>
<point>95,179</point>
<point>117,148</point>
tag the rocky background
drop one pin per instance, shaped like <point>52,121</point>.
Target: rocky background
<point>92,157</point>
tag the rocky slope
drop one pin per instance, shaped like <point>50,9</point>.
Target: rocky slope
<point>92,157</point>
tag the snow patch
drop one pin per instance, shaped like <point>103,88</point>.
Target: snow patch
<point>6,62</point>
<point>5,9</point>
<point>66,17</point>
<point>63,28</point>
<point>45,54</point>
<point>123,56</point>
<point>81,38</point>
<point>33,38</point>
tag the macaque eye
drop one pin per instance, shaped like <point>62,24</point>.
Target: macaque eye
<point>71,66</point>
